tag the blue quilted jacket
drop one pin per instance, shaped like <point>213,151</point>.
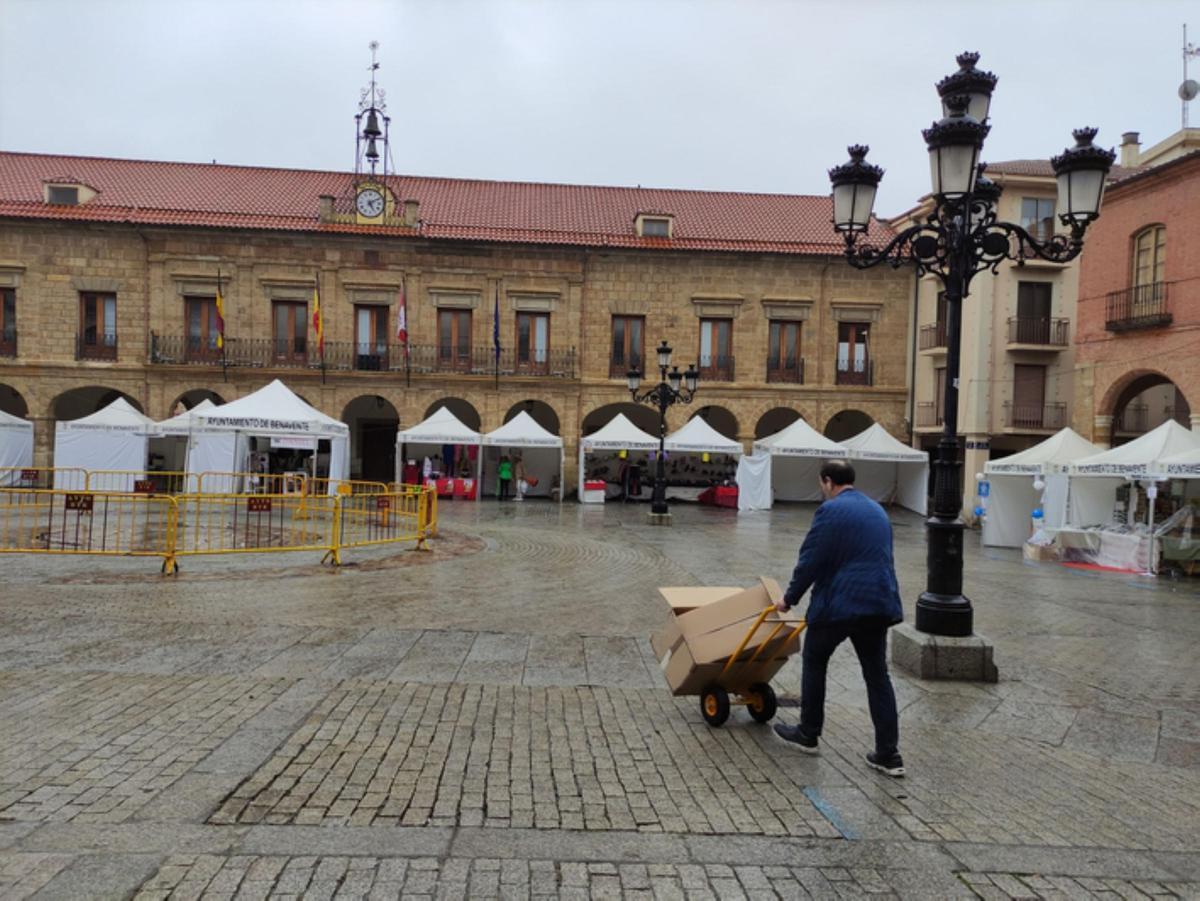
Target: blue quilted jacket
<point>846,559</point>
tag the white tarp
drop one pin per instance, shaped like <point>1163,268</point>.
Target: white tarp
<point>618,434</point>
<point>221,435</point>
<point>754,482</point>
<point>114,438</point>
<point>185,422</point>
<point>1185,465</point>
<point>698,437</point>
<point>173,440</point>
<point>798,452</point>
<point>16,447</point>
<point>428,437</point>
<point>1012,497</point>
<point>888,470</point>
<point>541,452</point>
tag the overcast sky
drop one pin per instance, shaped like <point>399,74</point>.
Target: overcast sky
<point>750,95</point>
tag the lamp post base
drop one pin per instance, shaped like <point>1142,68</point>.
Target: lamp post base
<point>925,656</point>
<point>658,519</point>
<point>944,614</point>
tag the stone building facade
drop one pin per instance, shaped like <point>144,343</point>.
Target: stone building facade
<point>110,289</point>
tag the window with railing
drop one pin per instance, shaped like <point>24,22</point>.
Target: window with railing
<point>628,335</point>
<point>784,363</point>
<point>716,350</point>
<point>97,327</point>
<point>533,343</point>
<point>202,328</point>
<point>454,340</point>
<point>290,331</point>
<point>370,337</point>
<point>853,354</point>
<point>1035,417</point>
<point>1037,216</point>
<point>8,322</point>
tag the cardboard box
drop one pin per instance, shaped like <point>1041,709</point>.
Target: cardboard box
<point>1039,552</point>
<point>695,645</point>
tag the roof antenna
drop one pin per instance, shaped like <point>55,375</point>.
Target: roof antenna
<point>1189,89</point>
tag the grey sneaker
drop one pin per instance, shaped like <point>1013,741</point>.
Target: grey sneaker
<point>798,737</point>
<point>892,766</point>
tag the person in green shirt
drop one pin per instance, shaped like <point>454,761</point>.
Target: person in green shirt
<point>504,474</point>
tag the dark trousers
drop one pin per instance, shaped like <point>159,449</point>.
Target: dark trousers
<point>870,644</point>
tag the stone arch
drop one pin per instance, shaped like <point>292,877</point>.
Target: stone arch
<point>721,419</point>
<point>13,402</point>
<point>1141,400</point>
<point>774,420</point>
<point>641,416</point>
<point>373,423</point>
<point>846,424</point>
<point>189,399</point>
<point>541,413</point>
<point>78,402</point>
<point>461,408</point>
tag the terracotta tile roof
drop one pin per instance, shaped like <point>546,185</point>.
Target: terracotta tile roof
<point>218,196</point>
<point>1043,169</point>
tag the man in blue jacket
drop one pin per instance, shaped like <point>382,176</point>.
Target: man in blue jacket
<point>846,559</point>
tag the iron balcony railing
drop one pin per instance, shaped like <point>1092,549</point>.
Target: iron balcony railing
<point>1142,306</point>
<point>1035,416</point>
<point>352,356</point>
<point>929,415</point>
<point>933,336</point>
<point>619,369</point>
<point>716,368</point>
<point>789,372</point>
<point>858,372</point>
<point>96,347</point>
<point>1134,418</point>
<point>1040,332</point>
<point>8,342</point>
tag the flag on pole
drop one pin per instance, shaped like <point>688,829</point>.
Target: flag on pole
<point>318,325</point>
<point>220,314</point>
<point>402,320</point>
<point>496,326</point>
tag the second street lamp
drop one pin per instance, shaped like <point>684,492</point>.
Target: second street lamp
<point>674,387</point>
<point>959,239</point>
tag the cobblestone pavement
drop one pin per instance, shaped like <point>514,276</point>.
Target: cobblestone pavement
<point>488,720</point>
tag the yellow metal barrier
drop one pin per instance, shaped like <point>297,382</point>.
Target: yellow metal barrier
<point>43,478</point>
<point>247,523</point>
<point>86,522</point>
<point>147,482</point>
<point>343,486</point>
<point>249,483</point>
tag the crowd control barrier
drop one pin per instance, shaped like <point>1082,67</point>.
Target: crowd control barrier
<point>152,522</point>
<point>41,478</point>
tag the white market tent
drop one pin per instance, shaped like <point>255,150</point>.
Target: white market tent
<point>1012,498</point>
<point>619,434</point>
<point>115,438</point>
<point>698,437</point>
<point>185,422</point>
<point>1094,479</point>
<point>797,453</point>
<point>428,437</point>
<point>221,435</point>
<point>16,447</point>
<point>888,470</point>
<point>174,437</point>
<point>1185,465</point>
<point>541,451</point>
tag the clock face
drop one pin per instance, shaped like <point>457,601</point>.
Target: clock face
<point>369,203</point>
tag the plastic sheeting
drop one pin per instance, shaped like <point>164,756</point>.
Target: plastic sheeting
<point>754,482</point>
<point>16,447</point>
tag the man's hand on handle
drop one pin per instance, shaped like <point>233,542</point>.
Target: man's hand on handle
<point>782,607</point>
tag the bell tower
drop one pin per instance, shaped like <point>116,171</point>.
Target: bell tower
<point>373,202</point>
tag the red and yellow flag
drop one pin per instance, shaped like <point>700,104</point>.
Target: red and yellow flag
<point>220,314</point>
<point>318,325</point>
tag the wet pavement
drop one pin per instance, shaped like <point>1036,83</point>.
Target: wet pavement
<point>488,720</point>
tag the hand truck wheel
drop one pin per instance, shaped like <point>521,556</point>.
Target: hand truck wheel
<point>714,705</point>
<point>763,703</point>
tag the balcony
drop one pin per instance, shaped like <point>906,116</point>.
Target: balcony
<point>1050,334</point>
<point>350,356</point>
<point>1139,307</point>
<point>929,415</point>
<point>1034,417</point>
<point>619,369</point>
<point>1134,419</point>
<point>96,347</point>
<point>8,342</point>
<point>933,336</point>
<point>787,373</point>
<point>859,373</point>
<point>716,369</point>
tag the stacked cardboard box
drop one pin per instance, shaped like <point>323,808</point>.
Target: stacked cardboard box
<point>707,626</point>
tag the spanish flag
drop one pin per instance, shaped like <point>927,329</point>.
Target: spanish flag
<point>220,314</point>
<point>318,327</point>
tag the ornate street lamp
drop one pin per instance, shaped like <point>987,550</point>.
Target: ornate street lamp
<point>674,387</point>
<point>959,239</point>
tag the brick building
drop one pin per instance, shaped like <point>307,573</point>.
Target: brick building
<point>1138,339</point>
<point>109,272</point>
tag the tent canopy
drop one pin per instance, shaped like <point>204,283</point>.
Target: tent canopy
<point>442,427</point>
<point>877,443</point>
<point>522,431</point>
<point>799,440</point>
<point>1052,455</point>
<point>271,410</point>
<point>118,416</point>
<point>185,422</point>
<point>697,436</point>
<point>114,439</point>
<point>8,422</point>
<point>16,447</point>
<point>1142,456</point>
<point>619,434</point>
<point>1185,464</point>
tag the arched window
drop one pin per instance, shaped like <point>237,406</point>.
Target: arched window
<point>1149,255</point>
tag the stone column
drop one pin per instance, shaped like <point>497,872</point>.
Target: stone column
<point>1102,427</point>
<point>43,440</point>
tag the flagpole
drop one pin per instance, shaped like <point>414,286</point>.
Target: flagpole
<point>320,325</point>
<point>496,334</point>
